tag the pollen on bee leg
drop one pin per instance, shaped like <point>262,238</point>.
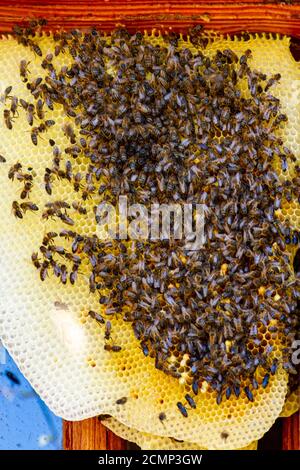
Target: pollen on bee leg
<point>224,269</point>
<point>204,387</point>
<point>184,378</point>
<point>261,290</point>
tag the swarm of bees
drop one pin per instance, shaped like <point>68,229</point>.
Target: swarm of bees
<point>161,124</point>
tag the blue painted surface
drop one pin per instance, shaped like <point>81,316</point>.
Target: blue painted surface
<point>25,421</point>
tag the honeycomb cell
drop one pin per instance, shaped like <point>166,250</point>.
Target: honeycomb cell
<point>61,351</point>
<point>292,404</point>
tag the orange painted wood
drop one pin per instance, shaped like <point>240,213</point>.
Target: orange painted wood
<point>291,432</point>
<point>226,17</point>
<point>90,434</point>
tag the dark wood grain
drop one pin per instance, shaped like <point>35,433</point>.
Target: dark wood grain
<point>90,434</point>
<point>291,432</point>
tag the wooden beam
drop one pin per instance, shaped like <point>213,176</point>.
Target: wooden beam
<point>226,17</point>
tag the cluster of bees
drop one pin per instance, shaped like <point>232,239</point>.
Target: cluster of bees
<point>162,124</point>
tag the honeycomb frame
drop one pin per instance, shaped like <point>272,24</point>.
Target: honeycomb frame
<point>60,350</point>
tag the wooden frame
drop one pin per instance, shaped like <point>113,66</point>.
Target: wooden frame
<point>277,16</point>
<point>273,16</point>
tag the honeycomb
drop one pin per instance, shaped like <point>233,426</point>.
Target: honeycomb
<point>45,326</point>
<point>151,442</point>
<point>292,404</point>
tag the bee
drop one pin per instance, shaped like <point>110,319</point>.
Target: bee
<point>228,393</point>
<point>27,188</point>
<point>49,213</point>
<point>48,181</point>
<point>14,170</point>
<point>34,87</point>
<point>82,142</point>
<point>24,177</point>
<point>219,398</point>
<point>57,249</point>
<point>49,102</point>
<point>74,151</point>
<point>79,208</point>
<point>42,22</point>
<point>254,383</point>
<point>245,57</point>
<point>36,49</point>
<point>46,63</point>
<point>77,239</point>
<point>48,123</point>
<point>49,238</point>
<point>39,109</point>
<point>2,159</point>
<point>112,348</point>
<point>60,305</point>
<point>248,393</point>
<point>265,380</point>
<point>35,260</point>
<point>103,417</point>
<point>145,349</point>
<point>274,366</point>
<point>162,416</point>
<point>56,157</point>
<point>74,274</point>
<point>107,330</point>
<point>58,205</point>
<point>30,111</point>
<point>121,401</point>
<point>6,94</point>
<point>295,238</point>
<point>44,270</point>
<point>17,210</point>
<point>63,274</point>
<point>25,206</point>
<point>236,390</point>
<point>46,253</point>
<point>34,135</point>
<point>88,191</point>
<point>56,268</point>
<point>96,316</point>
<point>18,30</point>
<point>68,170</point>
<point>195,387</point>
<point>182,409</point>
<point>58,49</point>
<point>275,78</point>
<point>69,132</point>
<point>67,234</point>
<point>77,182</point>
<point>7,119</point>
<point>66,219</point>
<point>14,105</point>
<point>24,70</point>
<point>190,401</point>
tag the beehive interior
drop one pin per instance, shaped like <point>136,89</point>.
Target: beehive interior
<point>46,327</point>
